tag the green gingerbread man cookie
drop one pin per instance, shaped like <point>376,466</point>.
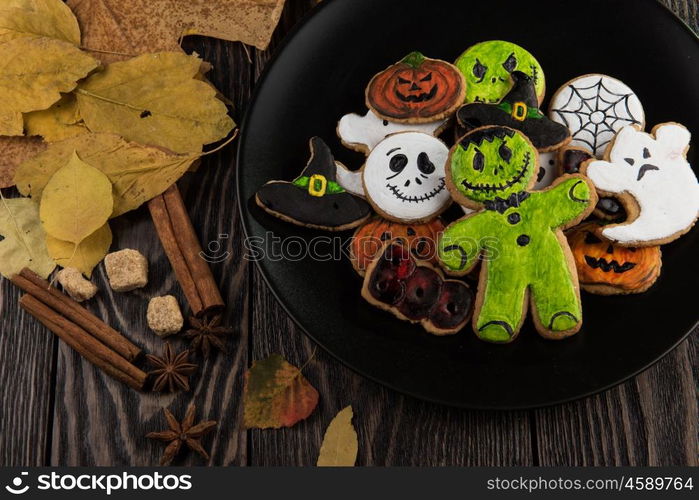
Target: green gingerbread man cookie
<point>516,233</point>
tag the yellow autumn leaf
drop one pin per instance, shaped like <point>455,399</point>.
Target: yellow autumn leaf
<point>77,201</point>
<point>155,99</point>
<point>88,253</point>
<point>340,445</point>
<point>11,123</point>
<point>37,18</point>
<point>138,173</point>
<point>14,151</point>
<point>34,72</point>
<point>56,123</point>
<point>24,240</point>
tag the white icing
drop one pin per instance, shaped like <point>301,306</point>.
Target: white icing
<point>350,180</point>
<point>595,108</point>
<point>547,164</point>
<point>368,130</point>
<point>668,197</point>
<point>409,193</point>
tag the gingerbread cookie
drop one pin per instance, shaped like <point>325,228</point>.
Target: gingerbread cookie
<point>651,176</point>
<point>594,108</point>
<point>403,177</point>
<point>519,110</point>
<point>416,292</point>
<point>487,67</point>
<point>517,233</point>
<point>315,199</point>
<point>363,133</point>
<point>416,90</point>
<point>370,237</point>
<point>608,269</point>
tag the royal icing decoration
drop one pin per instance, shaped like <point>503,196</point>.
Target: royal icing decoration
<point>519,110</point>
<point>416,292</point>
<point>403,177</point>
<point>315,198</point>
<point>548,170</point>
<point>653,170</point>
<point>364,132</point>
<point>595,108</point>
<point>516,232</point>
<point>606,268</point>
<point>487,67</point>
<point>416,89</point>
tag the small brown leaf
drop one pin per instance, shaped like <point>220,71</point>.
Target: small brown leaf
<point>276,394</point>
<point>14,151</point>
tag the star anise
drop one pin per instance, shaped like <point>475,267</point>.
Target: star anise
<point>172,371</point>
<point>185,433</point>
<point>207,333</point>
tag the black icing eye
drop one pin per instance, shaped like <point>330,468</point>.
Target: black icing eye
<point>398,163</point>
<point>505,152</point>
<point>428,78</point>
<point>403,81</point>
<point>479,71</point>
<point>646,153</point>
<point>424,163</point>
<point>478,161</point>
<point>385,123</point>
<point>591,239</point>
<point>510,64</point>
<point>551,163</point>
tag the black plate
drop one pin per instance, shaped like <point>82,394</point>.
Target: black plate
<point>320,74</point>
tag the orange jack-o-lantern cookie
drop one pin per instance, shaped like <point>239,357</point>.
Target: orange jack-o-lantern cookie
<point>606,269</point>
<point>416,90</point>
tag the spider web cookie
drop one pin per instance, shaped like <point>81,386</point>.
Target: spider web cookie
<point>594,108</point>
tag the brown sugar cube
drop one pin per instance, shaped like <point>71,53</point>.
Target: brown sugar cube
<point>75,285</point>
<point>127,270</point>
<point>164,315</point>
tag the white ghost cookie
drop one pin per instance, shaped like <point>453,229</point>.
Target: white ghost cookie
<point>548,170</point>
<point>403,177</point>
<point>650,174</point>
<point>363,133</point>
<point>594,108</point>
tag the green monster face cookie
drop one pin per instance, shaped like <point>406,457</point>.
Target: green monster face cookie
<point>492,162</point>
<point>487,67</point>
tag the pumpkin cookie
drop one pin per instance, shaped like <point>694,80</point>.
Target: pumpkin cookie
<point>416,90</point>
<point>517,233</point>
<point>314,199</point>
<point>608,269</point>
<point>417,292</point>
<point>487,67</point>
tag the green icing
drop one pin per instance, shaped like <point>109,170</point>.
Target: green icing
<point>414,59</point>
<point>487,67</point>
<point>492,162</point>
<point>332,187</point>
<point>519,247</point>
<point>531,112</point>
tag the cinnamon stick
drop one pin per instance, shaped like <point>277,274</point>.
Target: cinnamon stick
<point>184,251</point>
<point>85,344</point>
<point>35,285</point>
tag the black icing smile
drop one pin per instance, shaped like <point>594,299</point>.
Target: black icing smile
<point>422,97</point>
<point>606,266</point>
<point>417,199</point>
<point>500,187</point>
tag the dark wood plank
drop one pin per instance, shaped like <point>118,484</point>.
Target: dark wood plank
<point>100,422</point>
<point>26,362</point>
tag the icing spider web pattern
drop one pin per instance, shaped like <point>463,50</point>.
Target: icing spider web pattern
<point>595,113</point>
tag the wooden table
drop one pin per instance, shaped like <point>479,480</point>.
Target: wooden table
<point>55,409</point>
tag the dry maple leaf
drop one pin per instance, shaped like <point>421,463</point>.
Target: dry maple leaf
<point>172,370</point>
<point>121,28</point>
<point>276,394</point>
<point>185,433</point>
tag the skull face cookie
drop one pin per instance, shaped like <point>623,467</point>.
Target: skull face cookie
<point>403,177</point>
<point>651,176</point>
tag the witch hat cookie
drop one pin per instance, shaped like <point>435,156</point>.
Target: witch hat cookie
<point>314,199</point>
<point>519,110</point>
